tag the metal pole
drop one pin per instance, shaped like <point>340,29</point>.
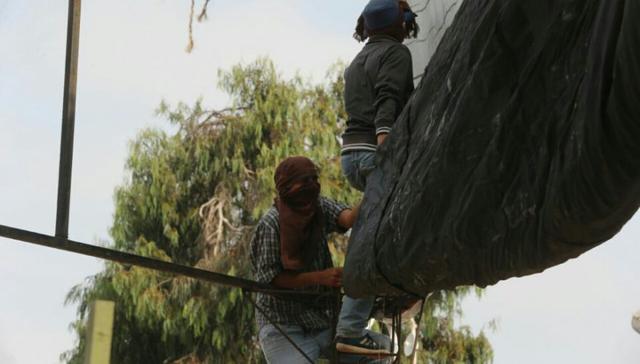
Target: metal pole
<point>155,264</point>
<point>133,259</point>
<point>68,119</point>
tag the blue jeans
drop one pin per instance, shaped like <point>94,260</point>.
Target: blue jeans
<point>356,166</point>
<point>278,350</point>
<point>354,314</point>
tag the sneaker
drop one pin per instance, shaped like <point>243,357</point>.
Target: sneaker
<point>360,345</point>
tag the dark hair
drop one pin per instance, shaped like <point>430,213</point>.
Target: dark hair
<point>410,29</point>
<point>361,33</point>
<point>410,26</point>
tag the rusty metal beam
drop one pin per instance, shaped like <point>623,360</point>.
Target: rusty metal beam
<point>155,264</point>
<point>68,119</point>
<point>127,258</point>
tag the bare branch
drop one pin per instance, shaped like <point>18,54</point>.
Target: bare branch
<point>216,223</point>
<point>203,13</point>
<point>201,17</point>
<point>190,44</point>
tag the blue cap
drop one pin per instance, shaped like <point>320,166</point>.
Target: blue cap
<point>409,16</point>
<point>380,14</point>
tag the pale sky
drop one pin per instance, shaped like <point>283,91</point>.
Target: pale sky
<point>131,57</point>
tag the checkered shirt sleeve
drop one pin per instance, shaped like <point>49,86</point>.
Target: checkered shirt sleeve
<point>265,249</point>
<point>332,210</point>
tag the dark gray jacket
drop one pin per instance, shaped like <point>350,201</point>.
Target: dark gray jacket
<point>378,83</point>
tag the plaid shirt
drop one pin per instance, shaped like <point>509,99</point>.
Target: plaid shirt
<point>266,263</point>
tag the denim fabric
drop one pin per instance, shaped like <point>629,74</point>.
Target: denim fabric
<point>354,316</point>
<point>356,166</point>
<point>278,350</point>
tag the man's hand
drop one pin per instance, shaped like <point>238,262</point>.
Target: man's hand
<point>381,137</point>
<point>331,277</point>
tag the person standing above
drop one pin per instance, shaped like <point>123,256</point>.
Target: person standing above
<point>378,83</point>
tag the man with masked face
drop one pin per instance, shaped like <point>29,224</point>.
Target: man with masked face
<point>289,250</point>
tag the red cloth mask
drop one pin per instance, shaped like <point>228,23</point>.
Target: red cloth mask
<point>301,224</point>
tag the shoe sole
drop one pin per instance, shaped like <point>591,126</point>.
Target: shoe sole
<point>344,348</point>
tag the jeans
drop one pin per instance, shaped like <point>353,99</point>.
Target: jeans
<point>354,316</point>
<point>356,166</point>
<point>354,313</point>
<point>278,350</point>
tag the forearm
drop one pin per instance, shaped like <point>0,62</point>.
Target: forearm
<point>348,217</point>
<point>294,280</point>
<point>385,116</point>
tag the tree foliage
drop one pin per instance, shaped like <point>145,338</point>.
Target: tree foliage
<point>193,196</point>
<point>442,341</point>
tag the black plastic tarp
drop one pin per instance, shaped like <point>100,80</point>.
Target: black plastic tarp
<point>519,149</point>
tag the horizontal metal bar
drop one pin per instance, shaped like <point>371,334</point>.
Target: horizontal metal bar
<point>138,260</point>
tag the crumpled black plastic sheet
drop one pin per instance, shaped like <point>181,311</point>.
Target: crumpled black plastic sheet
<point>519,150</point>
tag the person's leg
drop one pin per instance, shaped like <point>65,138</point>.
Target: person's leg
<point>323,339</point>
<point>351,336</point>
<point>278,350</point>
<point>356,166</point>
<point>354,316</point>
<point>367,163</point>
<point>354,313</point>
